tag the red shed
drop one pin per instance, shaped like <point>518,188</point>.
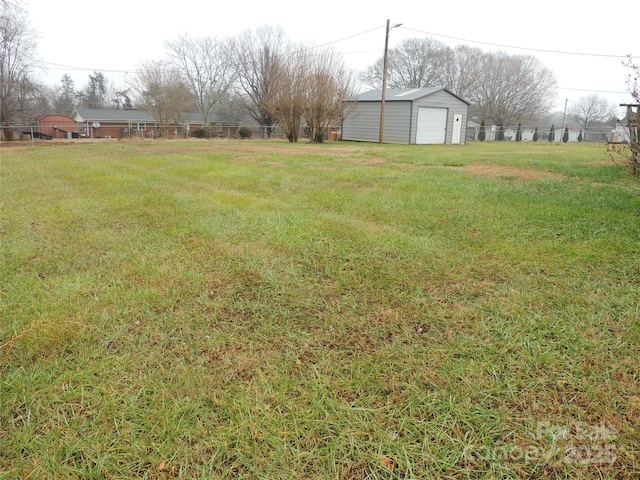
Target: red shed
<point>57,126</point>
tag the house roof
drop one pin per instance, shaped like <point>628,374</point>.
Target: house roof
<point>54,116</point>
<point>402,95</point>
<point>81,114</point>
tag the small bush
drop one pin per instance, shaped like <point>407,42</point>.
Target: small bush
<point>199,133</point>
<point>483,134</point>
<point>245,132</point>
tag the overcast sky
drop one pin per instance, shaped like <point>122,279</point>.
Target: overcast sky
<point>584,45</point>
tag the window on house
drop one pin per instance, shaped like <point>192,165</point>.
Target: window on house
<point>138,126</point>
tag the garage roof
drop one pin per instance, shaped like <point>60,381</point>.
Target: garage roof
<point>403,94</point>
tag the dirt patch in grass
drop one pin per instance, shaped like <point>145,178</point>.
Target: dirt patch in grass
<point>500,171</point>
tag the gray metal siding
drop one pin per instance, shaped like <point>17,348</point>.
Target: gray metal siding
<point>362,123</point>
<point>397,117</point>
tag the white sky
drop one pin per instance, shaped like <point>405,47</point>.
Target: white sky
<point>115,36</point>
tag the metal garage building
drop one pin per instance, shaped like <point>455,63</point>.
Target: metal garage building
<point>411,116</point>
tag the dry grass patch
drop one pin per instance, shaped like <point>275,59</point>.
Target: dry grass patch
<point>501,171</point>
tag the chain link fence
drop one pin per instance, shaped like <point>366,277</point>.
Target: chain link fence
<point>601,134</point>
<point>136,130</point>
<point>617,134</point>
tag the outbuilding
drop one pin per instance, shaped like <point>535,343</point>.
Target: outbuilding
<point>55,126</point>
<point>411,116</point>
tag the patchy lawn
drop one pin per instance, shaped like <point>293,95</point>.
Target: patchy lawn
<point>254,309</point>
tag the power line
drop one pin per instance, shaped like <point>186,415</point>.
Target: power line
<point>352,36</point>
<point>588,90</point>
<point>135,70</point>
<point>532,49</point>
<point>58,66</point>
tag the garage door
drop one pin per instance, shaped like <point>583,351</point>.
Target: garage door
<point>432,125</point>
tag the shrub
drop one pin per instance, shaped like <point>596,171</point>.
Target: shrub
<point>245,132</point>
<point>199,133</point>
<point>482,135</point>
<point>535,135</point>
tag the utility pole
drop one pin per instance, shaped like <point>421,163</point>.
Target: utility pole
<point>384,80</point>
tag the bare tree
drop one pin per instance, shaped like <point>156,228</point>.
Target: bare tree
<point>415,63</point>
<point>591,109</point>
<point>512,88</point>
<point>503,89</point>
<point>162,92</point>
<point>463,70</point>
<point>17,62</point>
<point>326,87</point>
<point>205,65</point>
<point>258,55</point>
<point>633,78</point>
<point>308,84</point>
<point>286,101</point>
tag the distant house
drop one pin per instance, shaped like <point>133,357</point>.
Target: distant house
<point>412,116</point>
<point>105,123</point>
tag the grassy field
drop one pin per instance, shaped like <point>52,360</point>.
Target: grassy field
<point>269,310</point>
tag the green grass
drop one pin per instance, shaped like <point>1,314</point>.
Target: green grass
<point>345,311</point>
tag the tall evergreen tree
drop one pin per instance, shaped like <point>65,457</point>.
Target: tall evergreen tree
<point>482,134</point>
<point>66,96</point>
<point>519,133</point>
<point>535,135</point>
<point>565,135</point>
<point>552,133</point>
<point>95,93</point>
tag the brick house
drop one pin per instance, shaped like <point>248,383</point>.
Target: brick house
<point>104,123</point>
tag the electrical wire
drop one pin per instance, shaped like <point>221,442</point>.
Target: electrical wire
<point>515,47</point>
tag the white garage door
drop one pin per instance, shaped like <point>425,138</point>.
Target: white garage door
<point>432,125</point>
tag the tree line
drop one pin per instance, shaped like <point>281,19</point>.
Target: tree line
<point>276,81</point>
<point>502,89</point>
